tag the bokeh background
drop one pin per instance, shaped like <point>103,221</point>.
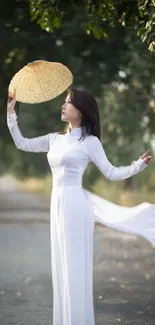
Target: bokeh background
<point>110,48</point>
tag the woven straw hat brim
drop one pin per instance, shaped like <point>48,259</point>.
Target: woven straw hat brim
<point>40,81</point>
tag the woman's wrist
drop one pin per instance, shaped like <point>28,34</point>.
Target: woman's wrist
<point>11,112</point>
<point>11,115</point>
<point>142,161</point>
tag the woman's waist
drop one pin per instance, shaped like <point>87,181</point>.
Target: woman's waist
<point>62,185</point>
<point>64,181</point>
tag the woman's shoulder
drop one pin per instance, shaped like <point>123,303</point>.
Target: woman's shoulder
<point>56,136</point>
<point>92,139</point>
<point>92,142</point>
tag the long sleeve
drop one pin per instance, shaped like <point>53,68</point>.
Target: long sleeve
<point>96,153</point>
<point>38,144</point>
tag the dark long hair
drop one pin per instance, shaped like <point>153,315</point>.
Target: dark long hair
<point>87,105</point>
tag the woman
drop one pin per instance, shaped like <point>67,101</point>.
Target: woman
<point>73,209</point>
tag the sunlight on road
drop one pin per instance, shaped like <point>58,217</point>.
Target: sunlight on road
<point>8,183</point>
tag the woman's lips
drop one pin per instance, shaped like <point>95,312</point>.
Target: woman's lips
<point>62,113</point>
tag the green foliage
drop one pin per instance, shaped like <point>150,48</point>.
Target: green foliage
<point>146,26</point>
<point>118,70</point>
<point>100,16</point>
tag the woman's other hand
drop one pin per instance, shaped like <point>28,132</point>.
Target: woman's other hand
<point>11,103</point>
<point>146,157</point>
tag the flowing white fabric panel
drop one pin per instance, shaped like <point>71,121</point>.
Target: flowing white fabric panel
<point>138,220</point>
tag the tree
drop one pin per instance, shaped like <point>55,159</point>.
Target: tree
<point>100,16</point>
<point>118,71</point>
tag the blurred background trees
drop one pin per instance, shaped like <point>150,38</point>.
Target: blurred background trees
<point>99,16</point>
<point>110,50</point>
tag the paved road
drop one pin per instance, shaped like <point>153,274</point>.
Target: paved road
<point>124,269</point>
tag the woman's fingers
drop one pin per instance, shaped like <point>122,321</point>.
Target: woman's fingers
<point>12,98</point>
<point>14,94</point>
<point>11,101</point>
<point>147,159</point>
<point>145,154</point>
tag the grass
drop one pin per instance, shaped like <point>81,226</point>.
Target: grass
<point>111,191</point>
<point>31,184</point>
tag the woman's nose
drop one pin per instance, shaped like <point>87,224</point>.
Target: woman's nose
<point>63,106</point>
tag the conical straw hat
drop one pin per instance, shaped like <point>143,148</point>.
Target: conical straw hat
<point>40,81</point>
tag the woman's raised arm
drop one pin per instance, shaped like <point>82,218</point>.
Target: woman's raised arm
<point>38,144</point>
<point>96,153</point>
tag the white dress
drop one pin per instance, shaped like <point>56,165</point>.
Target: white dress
<point>73,213</point>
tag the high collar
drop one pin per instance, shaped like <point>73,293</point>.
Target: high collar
<point>74,132</point>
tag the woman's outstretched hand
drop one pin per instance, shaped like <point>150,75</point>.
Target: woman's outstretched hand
<point>146,157</point>
<point>11,103</point>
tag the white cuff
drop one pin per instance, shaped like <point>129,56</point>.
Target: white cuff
<point>141,163</point>
<point>12,116</point>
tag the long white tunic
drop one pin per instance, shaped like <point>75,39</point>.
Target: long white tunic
<point>73,213</point>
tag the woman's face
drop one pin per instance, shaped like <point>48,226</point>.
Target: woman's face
<point>69,112</point>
